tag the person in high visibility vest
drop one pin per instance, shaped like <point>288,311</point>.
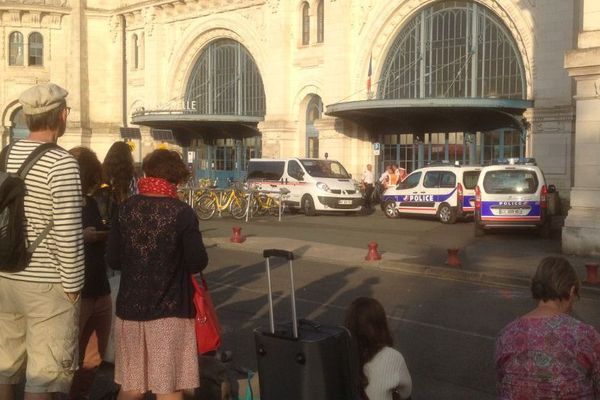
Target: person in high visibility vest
<point>400,172</point>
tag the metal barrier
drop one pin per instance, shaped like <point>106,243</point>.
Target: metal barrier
<point>282,194</point>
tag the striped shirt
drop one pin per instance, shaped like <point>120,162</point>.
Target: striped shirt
<point>53,194</point>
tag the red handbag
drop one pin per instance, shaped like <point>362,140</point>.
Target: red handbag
<point>208,330</point>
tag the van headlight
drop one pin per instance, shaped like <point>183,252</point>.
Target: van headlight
<point>323,187</point>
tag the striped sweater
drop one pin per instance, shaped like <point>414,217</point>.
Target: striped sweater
<point>53,194</point>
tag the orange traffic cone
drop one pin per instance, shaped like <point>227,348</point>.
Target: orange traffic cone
<point>373,254</point>
<point>453,259</point>
<point>237,237</point>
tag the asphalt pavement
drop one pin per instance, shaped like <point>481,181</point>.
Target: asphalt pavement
<point>410,245</point>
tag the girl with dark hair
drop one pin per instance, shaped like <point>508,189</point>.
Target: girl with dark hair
<point>119,177</point>
<point>383,371</point>
<point>547,354</point>
<point>96,306</point>
<point>156,243</point>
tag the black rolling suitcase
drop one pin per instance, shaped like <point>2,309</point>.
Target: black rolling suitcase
<point>301,360</point>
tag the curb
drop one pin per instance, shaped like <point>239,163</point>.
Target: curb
<point>437,272</point>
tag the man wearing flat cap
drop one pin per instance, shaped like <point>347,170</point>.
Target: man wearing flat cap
<point>39,305</point>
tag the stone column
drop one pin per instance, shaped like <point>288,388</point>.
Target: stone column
<point>278,139</point>
<point>78,131</point>
<point>581,232</point>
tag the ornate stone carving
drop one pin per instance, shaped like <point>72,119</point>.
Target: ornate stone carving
<point>149,20</point>
<point>115,27</point>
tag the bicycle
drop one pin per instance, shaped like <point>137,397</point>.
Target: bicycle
<point>263,203</point>
<point>215,200</point>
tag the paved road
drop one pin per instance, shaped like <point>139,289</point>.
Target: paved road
<point>445,329</point>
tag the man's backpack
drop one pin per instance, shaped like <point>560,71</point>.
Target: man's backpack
<point>15,251</point>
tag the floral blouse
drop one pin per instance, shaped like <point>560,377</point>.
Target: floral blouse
<point>546,358</point>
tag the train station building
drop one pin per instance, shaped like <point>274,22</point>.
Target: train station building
<point>420,80</point>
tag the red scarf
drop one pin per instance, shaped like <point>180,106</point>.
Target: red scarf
<point>157,186</point>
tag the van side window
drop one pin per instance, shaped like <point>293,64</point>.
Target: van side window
<point>411,181</point>
<point>295,170</point>
<point>265,170</point>
<point>432,179</point>
<point>447,180</point>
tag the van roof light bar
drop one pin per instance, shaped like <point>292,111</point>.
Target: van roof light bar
<point>516,161</point>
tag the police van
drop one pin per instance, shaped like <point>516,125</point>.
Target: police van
<point>445,191</point>
<point>512,194</point>
<point>314,184</point>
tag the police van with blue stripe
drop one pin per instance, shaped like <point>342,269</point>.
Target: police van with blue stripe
<point>445,191</point>
<point>512,194</point>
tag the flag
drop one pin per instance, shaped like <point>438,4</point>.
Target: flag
<point>369,74</point>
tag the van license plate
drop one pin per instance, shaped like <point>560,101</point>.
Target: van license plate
<point>345,202</point>
<point>511,211</point>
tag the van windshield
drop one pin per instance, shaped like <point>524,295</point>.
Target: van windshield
<point>325,169</point>
<point>510,182</point>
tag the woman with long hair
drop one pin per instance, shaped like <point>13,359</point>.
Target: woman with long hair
<point>546,353</point>
<point>96,306</point>
<point>118,177</point>
<point>156,243</point>
<point>383,374</point>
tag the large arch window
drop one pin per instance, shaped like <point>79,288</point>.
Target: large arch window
<point>36,49</point>
<point>15,51</point>
<point>320,22</point>
<point>314,111</point>
<point>225,81</point>
<point>453,49</point>
<point>305,23</point>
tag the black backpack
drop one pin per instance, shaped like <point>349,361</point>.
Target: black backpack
<point>15,251</point>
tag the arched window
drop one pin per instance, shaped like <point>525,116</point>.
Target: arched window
<point>314,111</point>
<point>320,22</point>
<point>141,51</point>
<point>36,49</point>
<point>15,52</point>
<point>305,23</point>
<point>225,81</point>
<point>135,51</point>
<point>453,49</point>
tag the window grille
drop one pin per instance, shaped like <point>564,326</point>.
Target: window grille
<point>453,49</point>
<point>15,56</point>
<point>36,49</point>
<point>226,81</point>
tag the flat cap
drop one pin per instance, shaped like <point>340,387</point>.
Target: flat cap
<point>42,98</point>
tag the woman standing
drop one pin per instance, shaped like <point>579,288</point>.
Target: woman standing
<point>96,306</point>
<point>547,354</point>
<point>383,371</point>
<point>156,243</point>
<point>119,179</point>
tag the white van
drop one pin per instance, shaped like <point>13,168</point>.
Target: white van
<point>444,190</point>
<point>314,184</point>
<point>513,194</point>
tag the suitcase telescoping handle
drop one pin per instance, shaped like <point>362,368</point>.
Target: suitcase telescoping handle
<point>290,257</point>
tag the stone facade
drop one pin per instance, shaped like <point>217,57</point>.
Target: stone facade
<point>90,50</point>
<point>581,233</point>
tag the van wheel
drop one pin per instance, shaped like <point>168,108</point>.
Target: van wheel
<point>447,214</point>
<point>389,207</point>
<point>308,205</point>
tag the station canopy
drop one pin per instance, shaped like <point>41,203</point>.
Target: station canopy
<point>454,66</point>
<point>224,97</point>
